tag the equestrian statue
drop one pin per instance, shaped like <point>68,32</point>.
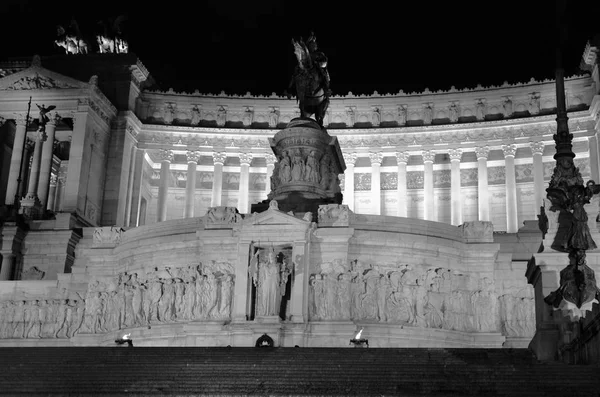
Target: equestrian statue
<point>310,79</point>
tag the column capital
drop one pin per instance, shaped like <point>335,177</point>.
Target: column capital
<point>428,156</point>
<point>509,150</point>
<point>402,157</point>
<point>54,119</point>
<point>219,157</point>
<point>271,159</point>
<point>2,121</point>
<point>165,155</point>
<point>537,147</point>
<point>350,158</point>
<point>53,180</point>
<point>20,119</point>
<point>40,135</point>
<point>482,152</point>
<point>29,144</point>
<point>245,158</point>
<point>455,154</point>
<point>376,157</point>
<point>192,156</point>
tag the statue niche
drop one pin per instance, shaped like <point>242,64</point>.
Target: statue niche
<point>271,284</point>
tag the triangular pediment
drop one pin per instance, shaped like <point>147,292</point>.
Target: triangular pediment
<point>39,78</point>
<point>273,216</point>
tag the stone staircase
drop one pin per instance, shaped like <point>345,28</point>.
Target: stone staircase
<point>114,371</point>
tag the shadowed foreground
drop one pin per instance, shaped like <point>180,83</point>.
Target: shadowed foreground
<point>288,371</point>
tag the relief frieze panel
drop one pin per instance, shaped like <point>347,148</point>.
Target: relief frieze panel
<point>468,177</point>
<point>441,178</point>
<point>389,180</point>
<point>496,175</point>
<point>414,180</point>
<point>362,181</point>
<point>258,181</point>
<point>425,297</point>
<point>231,181</point>
<point>524,173</point>
<point>204,180</point>
<point>157,296</point>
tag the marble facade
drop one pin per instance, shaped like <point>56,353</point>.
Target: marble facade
<point>148,226</point>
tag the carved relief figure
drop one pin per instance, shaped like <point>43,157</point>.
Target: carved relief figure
<point>297,166</point>
<point>169,113</point>
<point>221,116</point>
<point>325,170</point>
<point>266,275</point>
<point>196,116</point>
<point>427,113</point>
<point>285,168</point>
<point>312,168</point>
<point>273,117</point>
<point>507,107</point>
<point>534,103</point>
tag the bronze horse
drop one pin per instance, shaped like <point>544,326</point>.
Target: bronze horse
<point>310,80</point>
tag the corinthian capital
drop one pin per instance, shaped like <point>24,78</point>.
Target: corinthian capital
<point>193,156</point>
<point>402,157</point>
<point>270,159</point>
<point>455,154</point>
<point>482,152</point>
<point>376,158</point>
<point>219,157</point>
<point>428,156</point>
<point>350,158</point>
<point>245,158</point>
<point>165,155</point>
<point>509,150</point>
<point>537,147</point>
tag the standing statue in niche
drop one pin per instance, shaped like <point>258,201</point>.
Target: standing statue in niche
<point>310,79</point>
<point>268,276</point>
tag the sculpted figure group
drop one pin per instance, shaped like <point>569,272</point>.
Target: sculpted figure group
<point>433,298</point>
<point>296,165</point>
<point>197,292</point>
<point>49,318</point>
<point>182,294</point>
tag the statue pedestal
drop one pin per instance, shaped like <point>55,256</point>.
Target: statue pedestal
<point>305,176</point>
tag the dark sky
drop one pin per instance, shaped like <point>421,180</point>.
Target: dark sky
<point>240,46</point>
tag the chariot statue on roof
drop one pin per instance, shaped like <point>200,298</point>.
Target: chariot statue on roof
<point>310,79</point>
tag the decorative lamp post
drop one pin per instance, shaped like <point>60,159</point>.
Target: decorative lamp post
<point>568,194</point>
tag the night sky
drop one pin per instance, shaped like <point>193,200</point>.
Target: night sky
<point>240,46</point>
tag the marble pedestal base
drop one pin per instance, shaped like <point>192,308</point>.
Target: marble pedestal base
<point>305,175</point>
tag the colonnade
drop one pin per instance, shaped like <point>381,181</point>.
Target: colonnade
<point>41,186</point>
<point>166,158</point>
<point>376,159</point>
<point>455,155</point>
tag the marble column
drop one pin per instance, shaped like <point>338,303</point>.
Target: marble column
<point>46,162</point>
<point>8,264</point>
<point>190,184</point>
<point>428,157</point>
<point>402,160</point>
<point>34,175</point>
<point>271,159</point>
<point>512,221</point>
<point>297,310</point>
<point>51,192</point>
<point>244,187</point>
<point>217,186</point>
<point>482,153</point>
<point>594,159</point>
<point>166,157</point>
<point>455,188</point>
<point>539,190</point>
<point>26,167</point>
<point>376,159</point>
<point>350,160</point>
<point>15,162</point>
